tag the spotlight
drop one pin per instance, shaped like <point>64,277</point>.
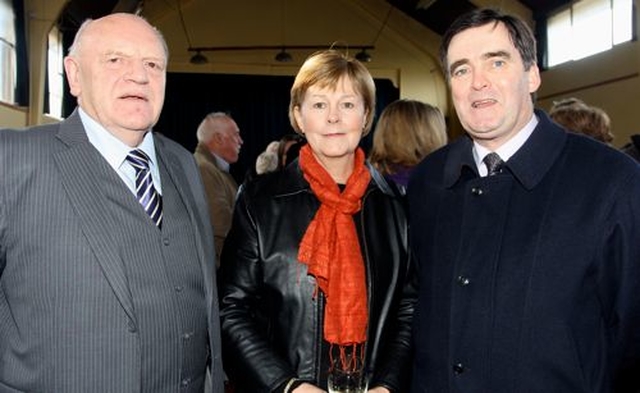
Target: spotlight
<point>199,58</point>
<point>283,56</point>
<point>363,56</point>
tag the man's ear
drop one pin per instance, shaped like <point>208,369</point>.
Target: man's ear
<point>72,69</point>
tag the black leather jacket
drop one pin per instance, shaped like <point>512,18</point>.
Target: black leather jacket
<point>272,312</point>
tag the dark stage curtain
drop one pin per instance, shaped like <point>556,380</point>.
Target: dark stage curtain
<point>259,104</point>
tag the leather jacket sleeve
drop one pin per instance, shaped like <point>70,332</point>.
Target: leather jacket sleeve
<point>250,360</point>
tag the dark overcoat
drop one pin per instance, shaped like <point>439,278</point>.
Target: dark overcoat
<point>529,280</point>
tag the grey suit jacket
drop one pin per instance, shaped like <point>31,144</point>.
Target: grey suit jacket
<point>67,322</point>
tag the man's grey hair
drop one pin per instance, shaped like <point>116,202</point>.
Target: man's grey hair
<point>205,130</point>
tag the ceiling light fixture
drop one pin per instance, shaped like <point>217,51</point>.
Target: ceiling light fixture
<point>198,59</point>
<point>363,56</point>
<point>283,56</point>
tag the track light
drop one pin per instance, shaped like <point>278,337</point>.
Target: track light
<point>283,56</point>
<point>363,56</point>
<point>199,58</point>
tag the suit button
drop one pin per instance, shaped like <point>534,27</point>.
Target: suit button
<point>131,327</point>
<point>463,281</point>
<point>185,382</point>
<point>165,241</point>
<point>476,191</point>
<point>458,368</point>
<point>178,288</point>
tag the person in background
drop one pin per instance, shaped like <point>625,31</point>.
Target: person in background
<point>219,144</point>
<point>289,149</point>
<point>279,154</point>
<point>525,236</point>
<point>316,266</point>
<point>577,116</point>
<point>107,264</point>
<point>267,161</point>
<point>633,147</point>
<point>406,132</point>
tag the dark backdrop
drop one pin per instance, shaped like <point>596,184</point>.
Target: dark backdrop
<point>259,104</point>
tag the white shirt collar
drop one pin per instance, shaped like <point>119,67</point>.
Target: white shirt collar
<point>508,149</point>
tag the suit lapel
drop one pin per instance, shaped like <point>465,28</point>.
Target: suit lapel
<point>81,166</point>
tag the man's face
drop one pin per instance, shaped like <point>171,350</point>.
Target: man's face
<point>118,75</point>
<point>229,141</point>
<point>490,87</point>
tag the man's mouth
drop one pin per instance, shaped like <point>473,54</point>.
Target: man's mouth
<point>134,97</point>
<point>482,103</point>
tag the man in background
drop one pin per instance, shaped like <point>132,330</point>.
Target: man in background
<point>526,236</point>
<point>219,144</point>
<point>107,277</point>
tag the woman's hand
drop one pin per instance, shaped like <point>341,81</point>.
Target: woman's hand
<point>308,388</point>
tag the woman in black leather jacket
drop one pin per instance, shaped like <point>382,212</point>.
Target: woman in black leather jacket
<point>327,218</point>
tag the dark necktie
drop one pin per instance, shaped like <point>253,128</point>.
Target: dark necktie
<point>147,195</point>
<point>494,163</point>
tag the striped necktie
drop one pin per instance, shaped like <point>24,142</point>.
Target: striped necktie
<point>147,195</point>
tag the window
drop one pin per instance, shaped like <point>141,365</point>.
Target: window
<point>7,52</point>
<point>55,73</point>
<point>588,27</point>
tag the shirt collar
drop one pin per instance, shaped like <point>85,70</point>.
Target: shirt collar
<point>509,148</point>
<point>220,162</point>
<point>113,149</point>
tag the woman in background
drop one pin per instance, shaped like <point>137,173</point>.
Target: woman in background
<point>316,275</point>
<point>406,132</point>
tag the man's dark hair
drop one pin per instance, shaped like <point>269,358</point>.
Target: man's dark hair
<point>521,35</point>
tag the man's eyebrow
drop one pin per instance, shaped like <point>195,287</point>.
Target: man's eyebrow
<point>501,53</point>
<point>457,64</point>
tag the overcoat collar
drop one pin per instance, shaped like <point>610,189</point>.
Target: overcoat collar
<point>528,165</point>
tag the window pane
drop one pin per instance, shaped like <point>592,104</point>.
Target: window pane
<point>559,36</point>
<point>55,73</point>
<point>7,52</point>
<point>622,21</point>
<point>591,27</point>
<point>588,27</point>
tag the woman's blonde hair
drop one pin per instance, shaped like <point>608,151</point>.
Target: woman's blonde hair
<point>326,69</point>
<point>406,132</point>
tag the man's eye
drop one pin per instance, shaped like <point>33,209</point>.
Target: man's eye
<point>459,72</point>
<point>498,63</point>
<point>154,65</point>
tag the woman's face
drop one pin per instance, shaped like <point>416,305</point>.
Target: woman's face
<point>332,119</point>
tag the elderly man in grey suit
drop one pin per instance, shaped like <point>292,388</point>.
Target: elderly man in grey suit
<point>107,266</point>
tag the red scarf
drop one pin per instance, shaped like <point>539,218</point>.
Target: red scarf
<point>331,249</point>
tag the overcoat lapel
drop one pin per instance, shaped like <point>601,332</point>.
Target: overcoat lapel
<point>81,167</point>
